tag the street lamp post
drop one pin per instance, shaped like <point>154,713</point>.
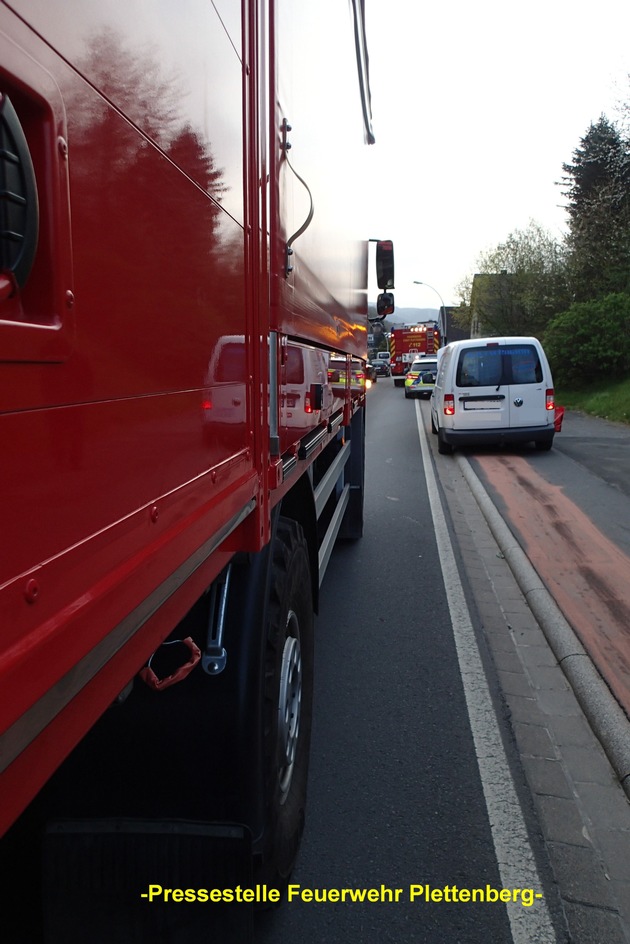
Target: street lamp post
<point>442,312</point>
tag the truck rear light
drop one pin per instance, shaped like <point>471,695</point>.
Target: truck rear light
<point>550,403</point>
<point>449,404</point>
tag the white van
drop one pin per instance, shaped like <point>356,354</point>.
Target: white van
<point>493,390</point>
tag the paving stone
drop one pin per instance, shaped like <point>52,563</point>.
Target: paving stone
<point>615,845</point>
<point>534,741</point>
<point>524,709</point>
<point>549,676</point>
<point>621,895</point>
<point>606,805</point>
<point>486,602</point>
<point>510,596</point>
<point>499,639</point>
<point>523,621</point>
<point>526,637</point>
<point>558,703</point>
<point>588,764</point>
<point>580,874</point>
<point>515,683</point>
<point>507,661</point>
<point>537,655</point>
<point>561,820</point>
<point>594,925</point>
<point>573,732</point>
<point>546,777</point>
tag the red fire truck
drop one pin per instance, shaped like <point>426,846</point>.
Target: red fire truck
<point>182,259</point>
<point>406,342</point>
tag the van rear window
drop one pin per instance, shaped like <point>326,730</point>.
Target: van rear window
<point>502,365</point>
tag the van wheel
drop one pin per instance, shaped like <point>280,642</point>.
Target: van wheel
<point>543,445</point>
<point>433,426</point>
<point>444,448</point>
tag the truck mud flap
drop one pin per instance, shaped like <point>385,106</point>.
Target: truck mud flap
<point>106,881</point>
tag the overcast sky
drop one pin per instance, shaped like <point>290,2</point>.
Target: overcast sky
<point>476,107</point>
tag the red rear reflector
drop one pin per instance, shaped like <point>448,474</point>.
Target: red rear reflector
<point>550,403</point>
<point>449,405</point>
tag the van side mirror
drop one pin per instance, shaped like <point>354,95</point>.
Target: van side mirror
<point>385,265</point>
<point>384,305</point>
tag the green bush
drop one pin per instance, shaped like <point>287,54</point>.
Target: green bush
<point>590,341</point>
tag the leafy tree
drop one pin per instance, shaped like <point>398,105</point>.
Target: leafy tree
<point>590,341</point>
<point>598,190</point>
<point>519,286</point>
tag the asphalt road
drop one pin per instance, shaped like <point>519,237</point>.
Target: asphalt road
<point>396,794</point>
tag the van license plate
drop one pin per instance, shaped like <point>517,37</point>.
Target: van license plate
<point>482,404</point>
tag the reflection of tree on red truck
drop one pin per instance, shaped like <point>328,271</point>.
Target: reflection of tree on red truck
<point>406,342</point>
<point>176,464</point>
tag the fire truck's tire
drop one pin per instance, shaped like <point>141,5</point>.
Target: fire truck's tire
<point>288,697</point>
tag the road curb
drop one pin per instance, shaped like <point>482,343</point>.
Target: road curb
<point>607,719</point>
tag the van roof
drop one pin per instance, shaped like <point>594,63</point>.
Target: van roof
<point>506,339</point>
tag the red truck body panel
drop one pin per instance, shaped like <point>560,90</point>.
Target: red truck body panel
<point>159,361</point>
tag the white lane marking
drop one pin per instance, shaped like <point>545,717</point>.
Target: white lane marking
<point>517,866</point>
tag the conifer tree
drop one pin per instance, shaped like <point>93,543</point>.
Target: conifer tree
<point>597,185</point>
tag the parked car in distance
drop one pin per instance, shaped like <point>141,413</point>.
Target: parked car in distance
<point>420,378</point>
<point>493,390</point>
<point>381,368</point>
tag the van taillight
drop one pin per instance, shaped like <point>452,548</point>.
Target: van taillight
<point>550,403</point>
<point>449,404</point>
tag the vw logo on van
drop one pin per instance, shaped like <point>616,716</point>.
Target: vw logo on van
<point>518,401</point>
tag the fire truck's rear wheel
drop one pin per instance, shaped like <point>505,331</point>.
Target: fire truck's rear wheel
<point>288,694</point>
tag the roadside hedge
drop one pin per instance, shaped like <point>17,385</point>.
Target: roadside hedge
<point>590,341</point>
